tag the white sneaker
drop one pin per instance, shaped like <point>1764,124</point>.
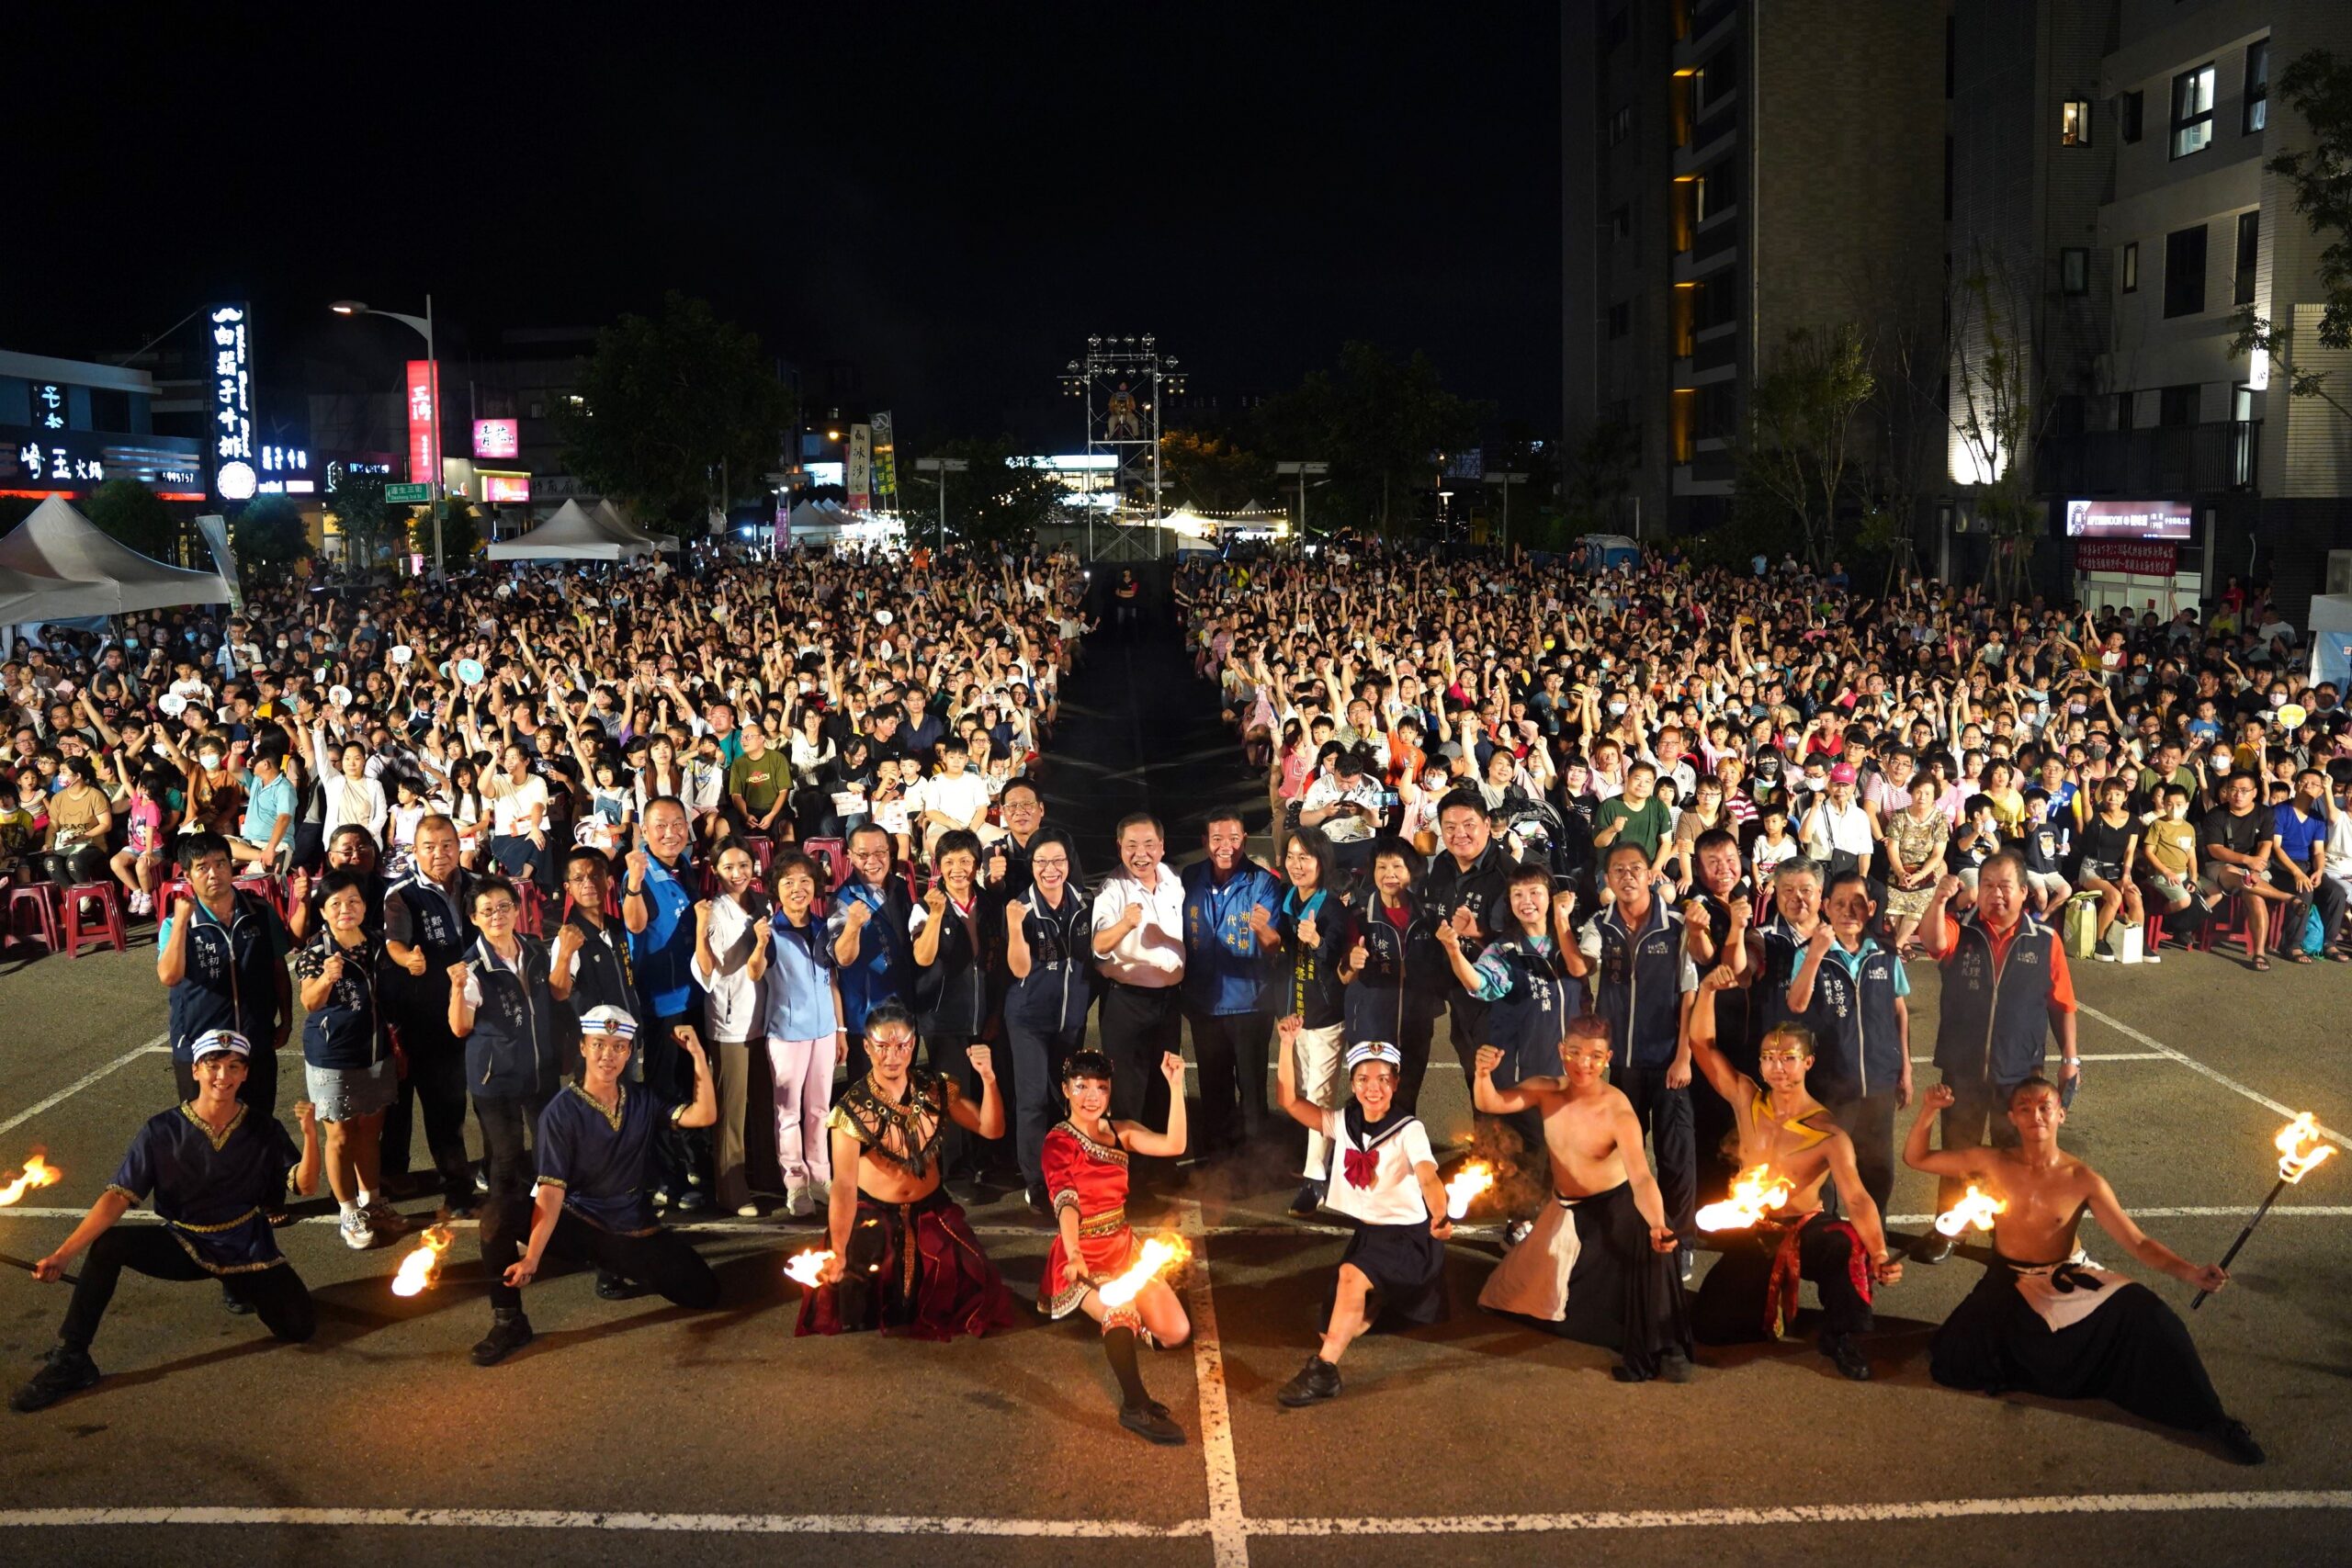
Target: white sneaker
<point>796,1202</point>
<point>747,1211</point>
<point>821,1194</point>
<point>380,1215</point>
<point>357,1234</point>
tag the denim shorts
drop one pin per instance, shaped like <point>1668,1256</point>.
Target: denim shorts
<point>345,1094</point>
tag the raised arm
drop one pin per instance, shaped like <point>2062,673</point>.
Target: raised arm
<point>1711,1062</point>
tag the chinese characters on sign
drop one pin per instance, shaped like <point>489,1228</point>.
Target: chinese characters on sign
<point>48,405</point>
<point>423,462</point>
<point>497,438</point>
<point>57,465</point>
<point>2135,557</point>
<point>233,404</point>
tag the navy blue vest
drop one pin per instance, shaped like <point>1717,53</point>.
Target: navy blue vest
<point>232,980</point>
<point>1995,1026</point>
<point>1528,1022</point>
<point>1858,1043</point>
<point>510,1054</point>
<point>1639,986</point>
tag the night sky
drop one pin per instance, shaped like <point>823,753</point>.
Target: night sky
<point>950,201</point>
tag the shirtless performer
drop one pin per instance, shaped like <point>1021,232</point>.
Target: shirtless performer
<point>2043,1319</point>
<point>904,1260</point>
<point>1600,1264</point>
<point>1751,1292</point>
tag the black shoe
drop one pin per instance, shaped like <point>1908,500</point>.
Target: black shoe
<point>1317,1380</point>
<point>65,1371</point>
<point>1841,1351</point>
<point>1038,1201</point>
<point>508,1332</point>
<point>1151,1423</point>
<point>1931,1248</point>
<point>613,1288</point>
<point>694,1201</point>
<point>1674,1367</point>
<point>1309,1200</point>
<point>233,1302</point>
<point>2236,1443</point>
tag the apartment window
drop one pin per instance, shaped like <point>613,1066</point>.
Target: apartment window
<point>1614,32</point>
<point>2128,110</point>
<point>1718,78</point>
<point>2185,271</point>
<point>1621,221</point>
<point>2249,245</point>
<point>1621,318</point>
<point>1718,189</point>
<point>2177,405</point>
<point>2074,123</point>
<point>1621,125</point>
<point>1718,301</point>
<point>1684,301</point>
<point>1685,212</point>
<point>2123,410</point>
<point>2192,111</point>
<point>2131,267</point>
<point>2242,438</point>
<point>1948,193</point>
<point>2257,85</point>
<point>1682,437</point>
<point>2074,270</point>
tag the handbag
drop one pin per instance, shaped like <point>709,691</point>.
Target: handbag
<point>2080,925</point>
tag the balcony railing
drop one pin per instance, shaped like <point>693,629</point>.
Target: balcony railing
<point>2167,459</point>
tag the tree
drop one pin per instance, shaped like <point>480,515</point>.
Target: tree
<point>668,406</point>
<point>1797,455</point>
<point>1381,423</point>
<point>270,532</point>
<point>1599,468</point>
<point>460,532</point>
<point>1212,473</point>
<point>133,514</point>
<point>362,518</point>
<point>998,499</point>
<point>2318,86</point>
<point>1998,417</point>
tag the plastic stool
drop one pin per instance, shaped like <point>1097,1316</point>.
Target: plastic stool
<point>830,853</point>
<point>531,908</point>
<point>42,895</point>
<point>105,930</point>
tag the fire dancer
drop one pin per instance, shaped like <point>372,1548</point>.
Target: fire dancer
<point>1384,1182</point>
<point>2043,1319</point>
<point>215,1169</point>
<point>596,1163</point>
<point>1751,1292</point>
<point>1600,1265</point>
<point>904,1260</point>
<point>1085,1165</point>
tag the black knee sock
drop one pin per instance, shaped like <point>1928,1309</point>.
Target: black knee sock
<point>1119,1346</point>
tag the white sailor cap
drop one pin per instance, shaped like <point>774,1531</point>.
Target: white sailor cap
<point>212,1042</point>
<point>608,1020</point>
<point>1364,1051</point>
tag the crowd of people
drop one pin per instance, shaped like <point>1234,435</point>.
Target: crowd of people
<point>1654,843</point>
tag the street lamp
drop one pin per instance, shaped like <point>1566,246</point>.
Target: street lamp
<point>1302,469</point>
<point>1506,481</point>
<point>943,467</point>
<point>423,324</point>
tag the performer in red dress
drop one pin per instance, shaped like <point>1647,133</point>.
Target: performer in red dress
<point>1085,1167</point>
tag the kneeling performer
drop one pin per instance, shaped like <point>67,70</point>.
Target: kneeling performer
<point>597,1161</point>
<point>2044,1320</point>
<point>1600,1265</point>
<point>215,1170</point>
<point>1384,1182</point>
<point>1751,1292</point>
<point>904,1258</point>
<point>1085,1168</point>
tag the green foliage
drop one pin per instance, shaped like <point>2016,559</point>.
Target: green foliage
<point>363,519</point>
<point>1213,473</point>
<point>667,405</point>
<point>1380,422</point>
<point>1796,457</point>
<point>1599,468</point>
<point>2318,86</point>
<point>1000,499</point>
<point>133,514</point>
<point>269,533</point>
<point>460,532</point>
<point>1998,413</point>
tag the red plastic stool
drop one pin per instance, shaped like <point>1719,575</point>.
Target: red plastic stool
<point>107,928</point>
<point>43,897</point>
<point>831,854</point>
<point>531,908</point>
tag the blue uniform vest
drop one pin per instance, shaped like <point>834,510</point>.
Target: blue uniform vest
<point>1995,1026</point>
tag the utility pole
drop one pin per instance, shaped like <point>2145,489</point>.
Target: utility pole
<point>1303,469</point>
<point>1506,481</point>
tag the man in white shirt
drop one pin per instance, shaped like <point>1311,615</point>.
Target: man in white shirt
<point>1140,947</point>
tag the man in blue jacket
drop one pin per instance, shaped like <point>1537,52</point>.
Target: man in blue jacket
<point>1850,992</point>
<point>658,897</point>
<point>1223,967</point>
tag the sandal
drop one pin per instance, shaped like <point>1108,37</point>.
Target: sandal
<point>2262,962</point>
<point>2300,956</point>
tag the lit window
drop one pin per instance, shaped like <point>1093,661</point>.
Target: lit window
<point>2131,267</point>
<point>2192,111</point>
<point>2257,85</point>
<point>2074,123</point>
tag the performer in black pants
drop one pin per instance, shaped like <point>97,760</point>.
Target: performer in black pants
<point>1139,945</point>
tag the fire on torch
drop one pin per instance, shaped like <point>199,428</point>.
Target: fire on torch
<point>38,1172</point>
<point>1157,1256</point>
<point>2301,1150</point>
<point>1467,1185</point>
<point>421,1267</point>
<point>1756,1193</point>
<point>1976,1207</point>
<point>805,1268</point>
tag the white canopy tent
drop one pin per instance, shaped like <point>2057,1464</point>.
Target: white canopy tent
<point>575,533</point>
<point>76,569</point>
<point>606,513</point>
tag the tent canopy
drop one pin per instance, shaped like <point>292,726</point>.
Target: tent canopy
<point>77,569</point>
<point>606,513</point>
<point>575,533</point>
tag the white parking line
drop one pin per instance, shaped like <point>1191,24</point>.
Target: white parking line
<point>1809,1514</point>
<point>2193,1064</point>
<point>1229,1540</point>
<point>568,1519</point>
<point>84,1081</point>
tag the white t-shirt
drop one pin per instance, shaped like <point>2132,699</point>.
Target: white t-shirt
<point>507,811</point>
<point>1394,1196</point>
<point>1152,955</point>
<point>735,1005</point>
<point>960,795</point>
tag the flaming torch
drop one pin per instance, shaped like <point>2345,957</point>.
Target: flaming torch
<point>1159,1254</point>
<point>38,1172</point>
<point>1467,1184</point>
<point>2301,1150</point>
<point>1975,1208</point>
<point>803,1267</point>
<point>1756,1194</point>
<point>421,1267</point>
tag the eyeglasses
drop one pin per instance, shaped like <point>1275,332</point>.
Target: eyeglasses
<point>1055,863</point>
